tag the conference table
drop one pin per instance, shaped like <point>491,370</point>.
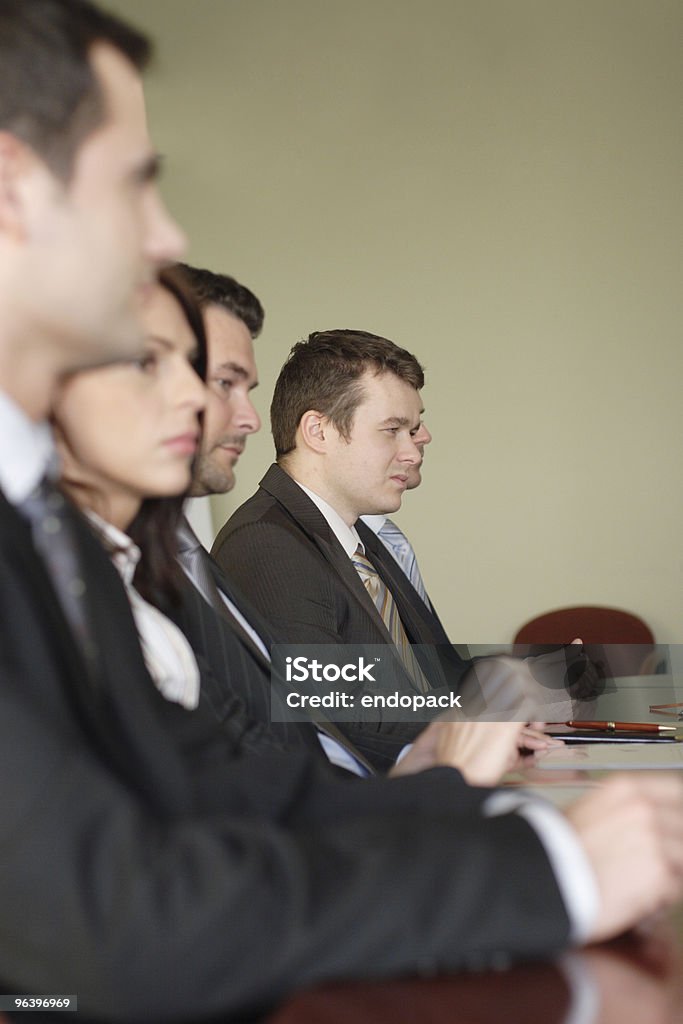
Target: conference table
<point>628,698</point>
<point>637,979</point>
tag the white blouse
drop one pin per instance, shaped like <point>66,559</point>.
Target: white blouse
<point>168,656</point>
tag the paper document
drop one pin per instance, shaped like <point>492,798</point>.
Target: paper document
<point>622,756</point>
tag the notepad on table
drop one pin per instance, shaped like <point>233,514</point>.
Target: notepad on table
<point>617,756</point>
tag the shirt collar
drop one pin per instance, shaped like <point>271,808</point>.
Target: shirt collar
<point>375,523</point>
<point>124,553</point>
<point>346,535</point>
<point>26,451</point>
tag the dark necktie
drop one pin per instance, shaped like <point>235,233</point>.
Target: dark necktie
<point>52,528</point>
<point>194,560</point>
<point>197,564</point>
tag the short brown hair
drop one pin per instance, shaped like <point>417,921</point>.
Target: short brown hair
<point>323,373</point>
<point>49,95</point>
<point>213,289</point>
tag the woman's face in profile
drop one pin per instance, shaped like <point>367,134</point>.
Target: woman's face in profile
<point>130,431</point>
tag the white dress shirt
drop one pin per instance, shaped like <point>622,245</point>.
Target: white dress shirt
<point>346,535</point>
<point>26,451</point>
<point>168,656</point>
<point>375,522</point>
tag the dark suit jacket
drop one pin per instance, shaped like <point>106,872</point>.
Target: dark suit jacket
<point>150,867</point>
<point>333,606</point>
<point>281,552</point>
<point>235,675</point>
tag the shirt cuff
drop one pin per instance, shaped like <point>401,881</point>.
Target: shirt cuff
<point>585,998</point>
<point>337,755</point>
<point>404,750</point>
<point>573,873</point>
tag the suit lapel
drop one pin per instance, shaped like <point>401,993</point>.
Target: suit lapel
<point>311,520</point>
<point>133,715</point>
<point>250,615</point>
<point>115,699</point>
<point>22,560</point>
<point>206,619</point>
<point>322,723</point>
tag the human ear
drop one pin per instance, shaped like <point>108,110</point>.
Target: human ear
<point>27,186</point>
<point>13,167</point>
<point>312,427</point>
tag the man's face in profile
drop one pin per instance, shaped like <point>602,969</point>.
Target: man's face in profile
<point>422,437</point>
<point>230,416</point>
<point>94,244</point>
<point>368,472</point>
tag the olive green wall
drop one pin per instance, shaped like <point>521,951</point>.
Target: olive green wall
<point>495,185</point>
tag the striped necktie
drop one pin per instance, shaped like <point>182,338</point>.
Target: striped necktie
<point>191,556</point>
<point>51,519</point>
<point>197,564</point>
<point>386,606</point>
<point>400,547</point>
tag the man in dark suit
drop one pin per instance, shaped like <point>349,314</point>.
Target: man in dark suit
<point>144,864</point>
<point>234,318</point>
<point>234,644</point>
<point>346,419</point>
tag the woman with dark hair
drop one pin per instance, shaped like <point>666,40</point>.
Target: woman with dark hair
<point>127,436</point>
<point>155,527</point>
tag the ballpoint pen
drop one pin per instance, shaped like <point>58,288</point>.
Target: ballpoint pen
<point>662,709</point>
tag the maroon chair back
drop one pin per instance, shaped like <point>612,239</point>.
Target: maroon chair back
<point>629,641</point>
